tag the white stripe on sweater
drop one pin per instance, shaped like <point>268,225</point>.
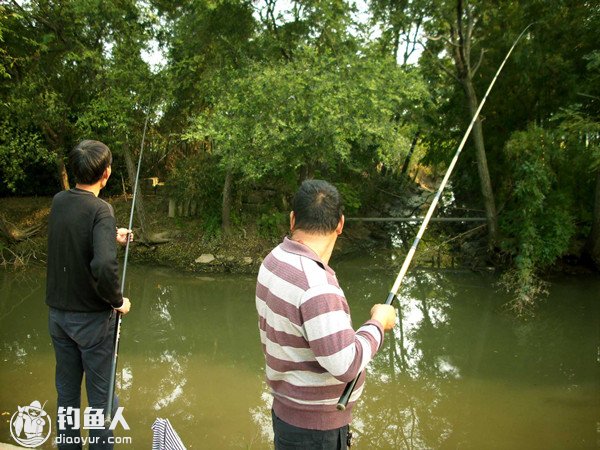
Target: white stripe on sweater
<point>277,321</point>
<point>315,275</point>
<point>279,287</point>
<point>302,378</point>
<point>288,258</point>
<point>286,353</point>
<point>321,289</point>
<point>327,324</point>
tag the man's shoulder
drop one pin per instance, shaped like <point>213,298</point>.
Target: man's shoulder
<point>92,205</point>
<point>105,206</point>
<point>312,273</point>
<point>60,196</point>
<point>282,268</point>
<point>101,208</point>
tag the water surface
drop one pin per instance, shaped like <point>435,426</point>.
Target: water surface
<point>457,372</point>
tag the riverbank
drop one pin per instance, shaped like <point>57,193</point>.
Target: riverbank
<point>197,245</point>
<point>184,243</point>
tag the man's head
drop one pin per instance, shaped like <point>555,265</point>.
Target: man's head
<point>317,208</point>
<point>90,162</point>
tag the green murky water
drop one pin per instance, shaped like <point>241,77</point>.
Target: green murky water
<point>458,372</point>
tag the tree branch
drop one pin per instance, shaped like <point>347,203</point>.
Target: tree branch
<point>51,136</point>
<point>25,13</point>
<point>456,53</point>
<point>469,37</point>
<point>474,71</point>
<point>459,33</point>
<point>40,19</point>
<point>437,63</point>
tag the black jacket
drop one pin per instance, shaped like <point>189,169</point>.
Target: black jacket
<point>82,254</point>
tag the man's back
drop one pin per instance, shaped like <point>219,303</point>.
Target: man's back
<point>82,266</point>
<point>310,347</point>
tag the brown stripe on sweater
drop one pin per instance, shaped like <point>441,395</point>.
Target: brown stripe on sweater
<point>309,393</point>
<point>333,343</point>
<point>321,304</point>
<point>279,365</point>
<point>286,271</point>
<point>281,337</point>
<point>278,305</point>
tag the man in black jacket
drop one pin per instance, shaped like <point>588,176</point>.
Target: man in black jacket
<point>83,292</point>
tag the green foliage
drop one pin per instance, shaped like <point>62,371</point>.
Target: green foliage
<point>540,216</point>
<point>201,38</point>
<point>198,178</point>
<point>309,115</point>
<point>211,226</point>
<point>19,151</point>
<point>74,72</point>
<point>351,197</point>
<point>273,225</point>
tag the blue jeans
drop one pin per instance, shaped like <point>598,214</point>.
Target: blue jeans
<point>289,437</point>
<point>83,343</point>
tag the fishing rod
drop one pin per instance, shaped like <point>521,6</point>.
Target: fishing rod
<point>117,335</point>
<point>345,397</point>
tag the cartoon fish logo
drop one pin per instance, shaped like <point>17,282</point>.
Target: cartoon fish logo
<point>30,425</point>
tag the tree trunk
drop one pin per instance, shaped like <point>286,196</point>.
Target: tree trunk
<point>593,244</point>
<point>62,174</point>
<point>139,201</point>
<point>413,145</point>
<point>461,35</point>
<point>55,142</point>
<point>226,210</point>
<point>482,167</point>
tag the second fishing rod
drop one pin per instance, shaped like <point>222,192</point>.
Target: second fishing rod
<point>117,331</point>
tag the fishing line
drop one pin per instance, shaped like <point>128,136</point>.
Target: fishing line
<point>343,401</point>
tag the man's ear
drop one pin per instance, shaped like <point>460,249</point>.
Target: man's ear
<point>292,221</point>
<point>105,176</point>
<point>340,225</point>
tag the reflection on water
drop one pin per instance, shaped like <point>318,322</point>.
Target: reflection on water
<point>457,372</point>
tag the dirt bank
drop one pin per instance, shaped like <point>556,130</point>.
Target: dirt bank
<point>188,246</point>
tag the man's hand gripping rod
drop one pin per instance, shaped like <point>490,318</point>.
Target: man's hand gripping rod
<point>343,401</point>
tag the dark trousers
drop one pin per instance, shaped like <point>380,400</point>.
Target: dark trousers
<point>289,437</point>
<point>83,343</point>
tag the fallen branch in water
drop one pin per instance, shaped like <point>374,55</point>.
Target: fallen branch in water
<point>18,260</point>
<point>12,234</point>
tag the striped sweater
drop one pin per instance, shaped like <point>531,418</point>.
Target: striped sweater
<point>310,347</point>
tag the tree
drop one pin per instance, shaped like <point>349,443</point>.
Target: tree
<point>400,23</point>
<point>311,116</point>
<point>540,217</point>
<point>66,74</point>
<point>455,24</point>
<point>201,39</point>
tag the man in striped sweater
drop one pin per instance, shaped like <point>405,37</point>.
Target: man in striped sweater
<point>310,347</point>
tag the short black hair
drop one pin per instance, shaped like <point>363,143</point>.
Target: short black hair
<point>88,160</point>
<point>317,207</point>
